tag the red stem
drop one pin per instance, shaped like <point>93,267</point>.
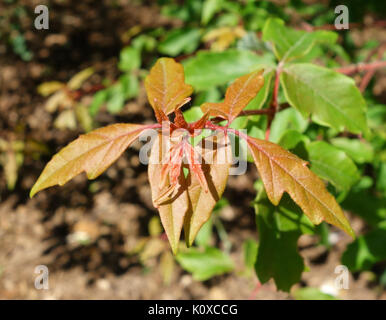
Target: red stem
<point>361,67</point>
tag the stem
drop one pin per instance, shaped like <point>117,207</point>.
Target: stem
<point>274,102</point>
<point>355,68</point>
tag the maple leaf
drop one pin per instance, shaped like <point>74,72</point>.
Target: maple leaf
<point>237,96</point>
<point>282,171</point>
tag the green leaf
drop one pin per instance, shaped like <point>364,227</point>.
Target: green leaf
<point>332,164</point>
<point>279,230</point>
<point>250,248</point>
<point>204,235</point>
<point>116,100</point>
<point>204,264</point>
<point>130,59</point>
<point>331,98</point>
<point>97,101</point>
<point>209,69</point>
<point>289,44</point>
<point>285,120</point>
<point>209,9</point>
<point>258,101</point>
<point>309,293</point>
<point>292,138</point>
<point>359,151</point>
<point>185,40</point>
<point>366,250</point>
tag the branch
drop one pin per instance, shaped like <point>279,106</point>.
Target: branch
<point>355,68</point>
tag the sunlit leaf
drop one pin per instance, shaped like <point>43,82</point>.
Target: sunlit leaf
<point>47,88</point>
<point>216,164</point>
<point>237,96</point>
<point>282,171</point>
<point>77,80</point>
<point>165,86</point>
<point>93,153</point>
<point>330,97</point>
<point>172,212</point>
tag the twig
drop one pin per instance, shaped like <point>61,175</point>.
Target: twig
<point>355,68</point>
<point>370,73</point>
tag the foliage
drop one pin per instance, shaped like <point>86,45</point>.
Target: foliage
<point>317,142</point>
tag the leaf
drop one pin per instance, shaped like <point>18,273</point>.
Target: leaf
<point>130,59</point>
<point>209,69</point>
<point>332,164</point>
<point>279,230</point>
<point>209,9</point>
<point>165,86</point>
<point>289,44</point>
<point>262,96</point>
<point>250,248</point>
<point>285,120</point>
<point>66,120</point>
<point>237,96</point>
<point>359,151</point>
<point>78,79</point>
<point>167,266</point>
<point>309,293</point>
<point>47,88</point>
<point>216,163</point>
<point>84,117</point>
<point>366,250</point>
<point>172,212</point>
<point>98,100</point>
<point>204,264</point>
<point>282,171</point>
<point>331,98</point>
<point>93,153</point>
<point>10,168</point>
<point>179,41</point>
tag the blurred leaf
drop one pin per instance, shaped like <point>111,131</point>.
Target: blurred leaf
<point>331,98</point>
<point>47,88</point>
<point>291,138</point>
<point>285,120</point>
<point>309,293</point>
<point>167,266</point>
<point>57,99</point>
<point>223,37</point>
<point>153,248</point>
<point>130,59</point>
<point>205,263</point>
<point>10,168</point>
<point>291,44</point>
<point>155,228</point>
<point>84,117</point>
<point>204,235</point>
<point>209,9</point>
<point>358,150</point>
<point>78,79</point>
<point>250,248</point>
<point>98,100</point>
<point>221,67</point>
<point>332,164</point>
<point>366,250</point>
<point>178,41</point>
<point>66,120</point>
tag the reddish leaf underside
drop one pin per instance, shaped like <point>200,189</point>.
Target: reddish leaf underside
<point>237,96</point>
<point>166,88</point>
<point>282,171</point>
<point>93,153</point>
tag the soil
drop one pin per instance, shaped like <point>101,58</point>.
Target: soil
<point>114,211</point>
